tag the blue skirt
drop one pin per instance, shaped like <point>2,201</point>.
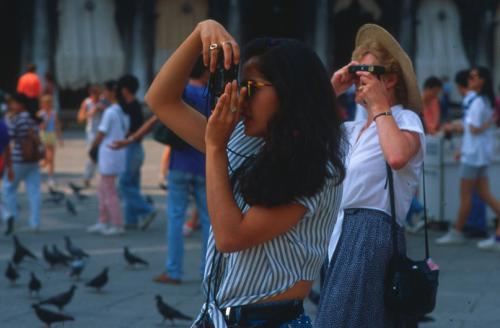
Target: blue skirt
<point>353,290</point>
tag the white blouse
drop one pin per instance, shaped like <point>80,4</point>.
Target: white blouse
<point>366,175</point>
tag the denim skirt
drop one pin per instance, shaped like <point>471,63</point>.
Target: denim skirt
<point>353,291</point>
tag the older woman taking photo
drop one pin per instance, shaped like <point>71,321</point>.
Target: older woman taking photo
<point>273,180</point>
<point>361,245</point>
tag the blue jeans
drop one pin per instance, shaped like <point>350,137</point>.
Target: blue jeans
<point>415,208</point>
<point>180,186</point>
<point>129,185</point>
<point>30,174</point>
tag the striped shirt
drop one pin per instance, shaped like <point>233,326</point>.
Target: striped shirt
<point>19,126</point>
<point>270,268</point>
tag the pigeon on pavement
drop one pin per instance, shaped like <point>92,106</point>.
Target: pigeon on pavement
<point>132,259</point>
<point>73,250</point>
<point>11,273</point>
<point>20,252</point>
<point>34,285</point>
<point>99,281</point>
<point>168,312</point>
<point>49,317</point>
<point>70,207</point>
<point>49,257</point>
<point>60,300</point>
<point>77,266</point>
<point>60,256</point>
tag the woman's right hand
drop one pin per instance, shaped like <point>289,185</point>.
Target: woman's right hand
<point>342,80</point>
<point>213,33</point>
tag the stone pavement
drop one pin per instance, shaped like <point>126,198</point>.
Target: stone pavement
<point>469,294</point>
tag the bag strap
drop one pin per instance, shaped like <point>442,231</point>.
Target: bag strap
<point>426,234</point>
<point>394,230</point>
<point>393,212</point>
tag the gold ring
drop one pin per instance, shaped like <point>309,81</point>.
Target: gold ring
<point>226,42</point>
<point>213,46</point>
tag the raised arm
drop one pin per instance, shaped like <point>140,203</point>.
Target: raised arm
<point>164,97</point>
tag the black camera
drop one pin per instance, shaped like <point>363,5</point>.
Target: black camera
<point>374,69</point>
<point>220,78</point>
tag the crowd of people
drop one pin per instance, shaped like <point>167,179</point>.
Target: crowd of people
<point>282,186</point>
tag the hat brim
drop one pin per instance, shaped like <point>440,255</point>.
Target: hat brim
<point>373,32</point>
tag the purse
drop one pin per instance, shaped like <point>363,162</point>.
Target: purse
<point>165,136</point>
<point>411,286</point>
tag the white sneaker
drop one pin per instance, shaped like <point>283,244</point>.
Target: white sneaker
<point>113,231</point>
<point>489,244</point>
<point>453,237</point>
<point>97,228</point>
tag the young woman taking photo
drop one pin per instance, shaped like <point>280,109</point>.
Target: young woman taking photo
<point>273,180</point>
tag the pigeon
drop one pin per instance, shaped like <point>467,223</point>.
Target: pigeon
<point>55,198</point>
<point>11,273</point>
<point>73,250</point>
<point>77,267</point>
<point>150,200</point>
<point>132,259</point>
<point>168,312</point>
<point>56,193</point>
<point>49,257</point>
<point>99,281</point>
<point>77,191</point>
<point>60,300</point>
<point>60,256</point>
<point>75,188</point>
<point>34,285</point>
<point>20,252</point>
<point>49,317</point>
<point>70,207</point>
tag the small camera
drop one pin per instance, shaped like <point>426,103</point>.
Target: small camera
<point>220,78</point>
<point>374,69</point>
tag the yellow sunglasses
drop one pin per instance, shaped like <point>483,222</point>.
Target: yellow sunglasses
<point>252,86</point>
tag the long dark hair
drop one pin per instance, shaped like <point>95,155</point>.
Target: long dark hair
<point>487,89</point>
<point>303,137</point>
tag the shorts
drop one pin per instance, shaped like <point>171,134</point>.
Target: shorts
<point>48,138</point>
<point>471,172</point>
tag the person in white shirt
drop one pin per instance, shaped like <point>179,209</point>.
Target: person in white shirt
<point>361,244</point>
<point>114,126</point>
<point>475,155</point>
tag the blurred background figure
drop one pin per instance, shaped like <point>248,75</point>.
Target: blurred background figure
<point>50,88</point>
<point>29,84</point>
<point>50,134</point>
<point>476,154</point>
<point>111,163</point>
<point>135,205</point>
<point>430,100</point>
<point>91,112</point>
<point>22,127</point>
<point>186,177</point>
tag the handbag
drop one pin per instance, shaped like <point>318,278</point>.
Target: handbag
<point>411,286</point>
<point>94,153</point>
<point>165,136</point>
<point>32,149</point>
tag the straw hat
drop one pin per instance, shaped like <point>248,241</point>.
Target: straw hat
<point>372,32</point>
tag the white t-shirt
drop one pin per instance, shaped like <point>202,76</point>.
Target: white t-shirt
<point>366,174</point>
<point>477,149</point>
<point>114,124</point>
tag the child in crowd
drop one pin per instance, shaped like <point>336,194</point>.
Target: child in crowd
<point>50,133</point>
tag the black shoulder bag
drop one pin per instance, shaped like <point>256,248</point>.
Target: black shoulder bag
<point>411,287</point>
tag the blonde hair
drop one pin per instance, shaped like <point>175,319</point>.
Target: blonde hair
<point>386,60</point>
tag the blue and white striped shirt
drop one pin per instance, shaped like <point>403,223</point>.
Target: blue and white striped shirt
<point>19,126</point>
<point>271,268</point>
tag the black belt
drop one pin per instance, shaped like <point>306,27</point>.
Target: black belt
<point>269,315</point>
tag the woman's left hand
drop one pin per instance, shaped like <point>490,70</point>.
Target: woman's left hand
<point>224,118</point>
<point>372,93</point>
